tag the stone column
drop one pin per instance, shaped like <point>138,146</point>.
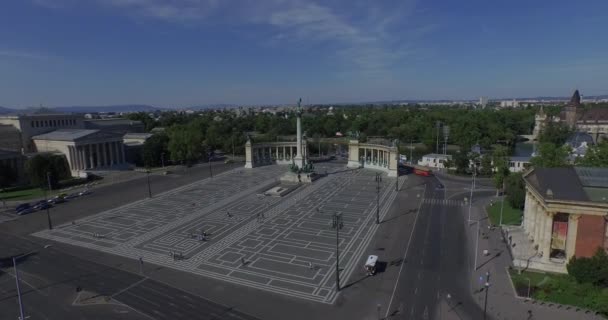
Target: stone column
<point>571,236</point>
<point>91,156</point>
<point>276,150</point>
<point>526,213</point>
<point>106,157</point>
<point>546,244</point>
<point>98,155</point>
<point>122,152</point>
<point>284,154</point>
<point>537,222</point>
<point>111,154</point>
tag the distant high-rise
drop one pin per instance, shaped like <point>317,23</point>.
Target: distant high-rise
<point>483,102</point>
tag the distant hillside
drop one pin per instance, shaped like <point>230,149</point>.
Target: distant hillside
<point>117,108</point>
<point>4,110</point>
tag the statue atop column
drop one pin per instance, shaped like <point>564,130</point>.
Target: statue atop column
<point>299,159</point>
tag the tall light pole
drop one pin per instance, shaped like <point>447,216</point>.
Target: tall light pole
<point>21,315</point>
<point>148,179</point>
<point>209,157</point>
<point>397,164</point>
<point>337,224</point>
<point>502,206</point>
<point>48,213</point>
<point>476,247</point>
<point>162,159</point>
<point>487,286</point>
<point>472,187</point>
<point>411,148</point>
<point>438,125</point>
<point>378,180</point>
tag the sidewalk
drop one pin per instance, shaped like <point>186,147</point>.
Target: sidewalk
<point>502,302</point>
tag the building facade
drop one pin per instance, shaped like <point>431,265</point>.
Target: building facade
<point>30,125</point>
<point>434,160</point>
<point>84,149</point>
<point>593,121</point>
<point>565,215</point>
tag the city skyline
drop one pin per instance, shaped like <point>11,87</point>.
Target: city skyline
<point>156,52</point>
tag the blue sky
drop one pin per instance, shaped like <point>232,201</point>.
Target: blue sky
<point>191,52</point>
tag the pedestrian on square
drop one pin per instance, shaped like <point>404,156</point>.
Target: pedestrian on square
<point>310,266</point>
<point>243,261</point>
<point>228,214</point>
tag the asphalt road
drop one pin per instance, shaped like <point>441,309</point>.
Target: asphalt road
<point>111,196</point>
<point>50,278</point>
<point>436,263</point>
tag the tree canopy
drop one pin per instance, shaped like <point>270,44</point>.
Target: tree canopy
<point>39,165</point>
<point>596,156</point>
<point>550,156</point>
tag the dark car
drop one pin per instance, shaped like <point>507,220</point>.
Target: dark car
<point>71,196</point>
<point>42,206</point>
<point>22,206</point>
<point>25,211</point>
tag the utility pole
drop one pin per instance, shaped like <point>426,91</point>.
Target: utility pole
<point>162,159</point>
<point>233,146</point>
<point>411,148</point>
<point>437,124</point>
<point>337,224</point>
<point>487,286</point>
<point>48,213</point>
<point>472,187</point>
<point>502,206</point>
<point>378,180</point>
<point>397,164</point>
<point>21,315</point>
<point>148,178</point>
<point>476,247</point>
<point>209,157</point>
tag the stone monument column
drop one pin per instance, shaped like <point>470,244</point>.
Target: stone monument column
<point>298,160</point>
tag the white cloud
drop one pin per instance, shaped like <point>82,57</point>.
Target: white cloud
<point>359,33</point>
<point>22,54</point>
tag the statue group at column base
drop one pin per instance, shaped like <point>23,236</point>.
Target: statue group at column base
<point>306,174</point>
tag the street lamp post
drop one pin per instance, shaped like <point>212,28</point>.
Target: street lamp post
<point>476,247</point>
<point>502,206</point>
<point>397,164</point>
<point>48,213</point>
<point>21,315</point>
<point>472,187</point>
<point>487,286</point>
<point>209,157</point>
<point>148,179</point>
<point>337,224</point>
<point>162,159</point>
<point>378,180</point>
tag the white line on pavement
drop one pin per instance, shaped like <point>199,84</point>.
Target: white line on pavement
<point>407,248</point>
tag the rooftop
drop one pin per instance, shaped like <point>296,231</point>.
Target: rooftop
<point>437,155</point>
<point>65,134</point>
<point>570,183</point>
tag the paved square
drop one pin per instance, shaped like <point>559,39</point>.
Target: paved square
<point>224,229</point>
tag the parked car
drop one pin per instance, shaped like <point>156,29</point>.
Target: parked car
<point>22,206</point>
<point>42,206</point>
<point>84,192</point>
<point>57,199</point>
<point>25,211</point>
<point>71,196</point>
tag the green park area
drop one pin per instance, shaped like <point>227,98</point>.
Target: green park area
<point>510,215</point>
<point>23,194</point>
<point>562,289</point>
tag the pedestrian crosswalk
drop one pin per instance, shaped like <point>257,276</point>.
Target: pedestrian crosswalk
<point>444,202</point>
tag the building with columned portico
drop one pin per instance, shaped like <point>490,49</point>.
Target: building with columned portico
<point>565,215</point>
<point>84,149</point>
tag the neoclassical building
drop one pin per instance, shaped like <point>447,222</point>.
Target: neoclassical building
<point>265,153</point>
<point>84,149</point>
<point>374,156</point>
<point>565,215</point>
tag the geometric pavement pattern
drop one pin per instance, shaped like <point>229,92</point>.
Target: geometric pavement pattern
<point>284,245</point>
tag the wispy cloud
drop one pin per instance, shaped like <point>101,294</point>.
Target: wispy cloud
<point>22,55</point>
<point>361,34</point>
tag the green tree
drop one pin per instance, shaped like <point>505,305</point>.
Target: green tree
<point>38,166</point>
<point>185,143</point>
<point>550,156</point>
<point>461,161</point>
<point>154,148</point>
<point>8,176</point>
<point>592,270</point>
<point>486,165</point>
<point>501,164</point>
<point>516,190</point>
<point>596,156</point>
<point>556,133</point>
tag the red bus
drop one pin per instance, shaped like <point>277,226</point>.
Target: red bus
<point>422,171</point>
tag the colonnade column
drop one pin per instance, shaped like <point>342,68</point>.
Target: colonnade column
<point>111,147</point>
<point>122,152</point>
<point>106,156</point>
<point>546,243</point>
<point>571,236</point>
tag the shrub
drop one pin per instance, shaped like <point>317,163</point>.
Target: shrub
<point>592,270</point>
